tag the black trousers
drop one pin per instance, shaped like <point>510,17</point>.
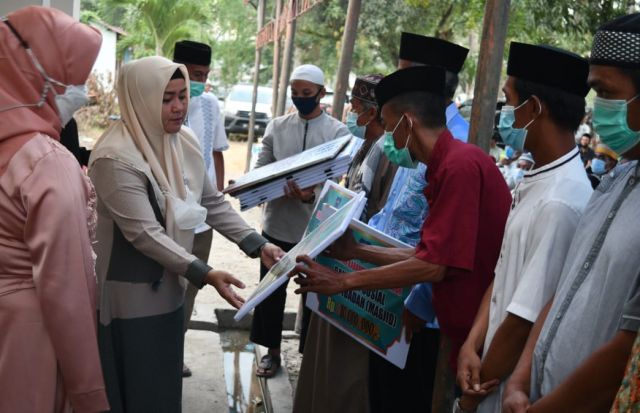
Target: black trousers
<point>266,328</point>
<point>394,390</point>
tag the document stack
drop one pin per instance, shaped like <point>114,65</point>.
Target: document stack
<point>311,167</point>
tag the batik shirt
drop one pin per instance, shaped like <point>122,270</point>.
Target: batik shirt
<point>628,397</point>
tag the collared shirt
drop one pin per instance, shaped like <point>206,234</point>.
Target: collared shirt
<point>374,176</point>
<point>545,211</point>
<point>468,208</point>
<point>405,212</point>
<point>286,219</point>
<point>354,179</point>
<point>598,277</point>
<point>206,122</point>
<point>406,207</point>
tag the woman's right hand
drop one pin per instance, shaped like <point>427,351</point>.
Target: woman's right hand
<point>222,281</point>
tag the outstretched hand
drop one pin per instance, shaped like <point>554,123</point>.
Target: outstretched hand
<point>271,254</point>
<point>222,282</point>
<point>314,277</point>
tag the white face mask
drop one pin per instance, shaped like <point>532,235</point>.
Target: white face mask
<point>73,98</point>
<point>188,214</point>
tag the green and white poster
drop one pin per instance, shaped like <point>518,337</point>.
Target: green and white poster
<point>372,317</point>
<point>312,244</point>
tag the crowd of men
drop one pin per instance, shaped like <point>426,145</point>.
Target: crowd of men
<point>525,285</point>
<point>524,273</point>
<point>523,263</point>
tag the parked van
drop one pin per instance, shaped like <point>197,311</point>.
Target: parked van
<point>237,107</point>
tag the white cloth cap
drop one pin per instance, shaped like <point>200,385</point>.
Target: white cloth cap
<point>310,73</point>
<point>526,157</point>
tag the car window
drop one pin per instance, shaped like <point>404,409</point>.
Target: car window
<point>244,95</point>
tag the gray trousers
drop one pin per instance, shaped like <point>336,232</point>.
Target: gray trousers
<point>201,249</point>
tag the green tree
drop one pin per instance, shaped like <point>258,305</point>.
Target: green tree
<point>568,24</point>
<point>381,22</point>
<point>231,31</point>
<point>229,26</point>
<point>153,26</point>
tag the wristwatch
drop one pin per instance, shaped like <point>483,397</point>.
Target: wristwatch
<point>458,409</point>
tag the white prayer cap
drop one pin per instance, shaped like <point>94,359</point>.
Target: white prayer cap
<point>526,156</point>
<point>310,73</point>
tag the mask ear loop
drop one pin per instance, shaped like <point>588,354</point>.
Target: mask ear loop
<point>535,98</point>
<point>48,81</point>
<point>318,94</point>
<point>366,124</point>
<point>521,105</point>
<point>410,129</point>
<point>397,124</point>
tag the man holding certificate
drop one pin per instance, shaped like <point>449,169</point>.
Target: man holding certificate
<point>468,201</point>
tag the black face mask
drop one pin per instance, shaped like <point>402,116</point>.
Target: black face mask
<point>306,105</point>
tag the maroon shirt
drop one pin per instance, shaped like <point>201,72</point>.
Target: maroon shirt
<point>469,203</point>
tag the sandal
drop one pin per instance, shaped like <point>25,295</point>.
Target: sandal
<point>268,366</point>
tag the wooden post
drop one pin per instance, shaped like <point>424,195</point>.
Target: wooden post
<point>251,138</point>
<point>346,57</point>
<point>494,32</point>
<point>287,57</point>
<point>276,58</point>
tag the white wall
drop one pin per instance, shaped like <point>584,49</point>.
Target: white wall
<point>71,7</point>
<point>106,62</point>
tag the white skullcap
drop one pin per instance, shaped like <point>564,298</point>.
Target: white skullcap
<point>310,73</point>
<point>526,157</point>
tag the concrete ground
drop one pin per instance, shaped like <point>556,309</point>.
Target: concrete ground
<point>205,391</point>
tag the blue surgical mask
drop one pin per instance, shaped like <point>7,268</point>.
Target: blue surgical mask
<point>195,88</point>
<point>401,157</point>
<point>598,166</point>
<point>511,136</point>
<point>611,123</point>
<point>306,105</point>
<point>352,123</point>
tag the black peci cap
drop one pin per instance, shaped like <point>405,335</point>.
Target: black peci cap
<point>413,79</point>
<point>432,51</point>
<point>190,52</point>
<point>549,66</point>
